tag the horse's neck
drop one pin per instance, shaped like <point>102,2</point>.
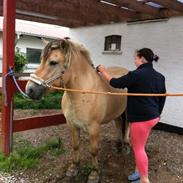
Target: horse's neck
<point>82,75</point>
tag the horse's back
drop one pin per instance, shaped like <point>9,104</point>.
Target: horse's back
<point>117,71</point>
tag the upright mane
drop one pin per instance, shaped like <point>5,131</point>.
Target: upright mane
<point>70,49</point>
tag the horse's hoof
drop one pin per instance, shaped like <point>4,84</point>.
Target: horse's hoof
<point>97,180</point>
<point>72,171</point>
<point>93,181</point>
<point>126,149</point>
<point>118,145</point>
<point>93,177</point>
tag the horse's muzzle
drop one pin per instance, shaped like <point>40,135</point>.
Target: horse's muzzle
<point>35,91</point>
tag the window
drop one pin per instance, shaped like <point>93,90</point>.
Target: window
<point>112,43</point>
<point>33,55</point>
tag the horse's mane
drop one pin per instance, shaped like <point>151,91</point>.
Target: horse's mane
<point>70,49</point>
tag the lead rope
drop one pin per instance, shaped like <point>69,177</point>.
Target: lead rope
<point>11,73</point>
<point>116,94</point>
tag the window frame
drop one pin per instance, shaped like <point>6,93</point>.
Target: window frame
<point>32,65</point>
<point>112,41</point>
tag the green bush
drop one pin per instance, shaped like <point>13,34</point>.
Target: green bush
<point>50,101</point>
<point>20,61</point>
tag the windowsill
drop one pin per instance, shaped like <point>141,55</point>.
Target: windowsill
<point>112,52</point>
<point>32,66</point>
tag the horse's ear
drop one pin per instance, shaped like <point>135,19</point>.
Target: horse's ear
<point>65,45</point>
<point>45,42</point>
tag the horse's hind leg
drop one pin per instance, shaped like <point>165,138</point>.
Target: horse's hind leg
<point>73,168</point>
<point>126,133</point>
<point>125,128</point>
<point>119,141</point>
<point>122,128</point>
<point>94,133</point>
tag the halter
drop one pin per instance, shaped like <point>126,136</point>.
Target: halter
<point>42,82</point>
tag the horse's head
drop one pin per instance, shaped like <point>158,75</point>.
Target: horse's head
<point>55,59</point>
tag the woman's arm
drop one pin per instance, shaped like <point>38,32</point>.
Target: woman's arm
<point>104,72</point>
<point>121,82</point>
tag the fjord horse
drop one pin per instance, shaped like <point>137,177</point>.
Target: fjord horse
<point>68,64</point>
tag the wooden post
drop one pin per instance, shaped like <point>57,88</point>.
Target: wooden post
<point>9,13</point>
<point>8,88</point>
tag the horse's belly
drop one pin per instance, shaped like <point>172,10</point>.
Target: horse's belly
<point>90,109</point>
<point>115,107</point>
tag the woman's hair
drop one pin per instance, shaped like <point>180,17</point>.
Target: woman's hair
<point>148,54</point>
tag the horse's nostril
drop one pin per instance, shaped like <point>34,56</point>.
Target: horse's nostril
<point>30,92</point>
<point>34,91</point>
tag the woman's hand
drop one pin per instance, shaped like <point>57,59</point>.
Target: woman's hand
<point>104,72</point>
<point>101,69</point>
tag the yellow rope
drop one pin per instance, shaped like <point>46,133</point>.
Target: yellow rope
<point>117,94</point>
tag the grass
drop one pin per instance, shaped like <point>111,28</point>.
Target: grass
<point>25,155</point>
<point>84,172</point>
<point>50,101</point>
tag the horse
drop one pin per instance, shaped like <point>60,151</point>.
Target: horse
<point>68,64</point>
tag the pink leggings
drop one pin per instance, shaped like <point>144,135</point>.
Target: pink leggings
<point>139,132</point>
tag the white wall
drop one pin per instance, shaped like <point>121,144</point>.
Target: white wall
<point>29,42</point>
<point>23,43</point>
<point>165,38</point>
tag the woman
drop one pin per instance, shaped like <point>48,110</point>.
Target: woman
<point>143,112</point>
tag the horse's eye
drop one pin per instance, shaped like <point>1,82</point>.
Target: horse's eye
<point>53,63</point>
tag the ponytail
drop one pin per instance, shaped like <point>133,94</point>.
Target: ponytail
<point>156,58</point>
<point>148,54</point>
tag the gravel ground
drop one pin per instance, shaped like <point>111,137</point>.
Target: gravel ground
<point>165,151</point>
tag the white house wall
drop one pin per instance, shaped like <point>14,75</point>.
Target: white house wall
<point>165,38</point>
<point>23,43</point>
<point>29,42</point>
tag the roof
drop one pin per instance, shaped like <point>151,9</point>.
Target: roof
<point>39,29</point>
<point>77,13</point>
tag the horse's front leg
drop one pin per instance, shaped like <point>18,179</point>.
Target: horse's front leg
<point>94,133</point>
<point>73,168</point>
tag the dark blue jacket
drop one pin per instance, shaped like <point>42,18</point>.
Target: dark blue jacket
<point>145,79</point>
